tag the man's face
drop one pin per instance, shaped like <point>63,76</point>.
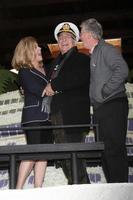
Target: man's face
<point>85,38</point>
<point>65,42</point>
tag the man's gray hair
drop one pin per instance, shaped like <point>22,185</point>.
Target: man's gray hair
<point>93,26</point>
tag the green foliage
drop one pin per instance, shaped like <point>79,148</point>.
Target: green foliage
<point>8,81</point>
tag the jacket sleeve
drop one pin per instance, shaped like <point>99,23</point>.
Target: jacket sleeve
<point>31,83</point>
<point>119,68</point>
<point>74,73</point>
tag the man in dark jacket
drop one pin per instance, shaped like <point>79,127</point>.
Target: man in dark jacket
<point>70,84</point>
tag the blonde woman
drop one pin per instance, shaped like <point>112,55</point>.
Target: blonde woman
<point>28,60</point>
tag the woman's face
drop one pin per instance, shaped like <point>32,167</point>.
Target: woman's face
<point>37,54</point>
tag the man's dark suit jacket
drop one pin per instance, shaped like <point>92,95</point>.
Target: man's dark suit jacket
<point>72,83</point>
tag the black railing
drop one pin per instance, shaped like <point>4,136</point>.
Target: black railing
<point>21,129</point>
<point>73,151</point>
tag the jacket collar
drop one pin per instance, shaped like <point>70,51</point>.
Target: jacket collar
<point>38,73</point>
<point>99,45</point>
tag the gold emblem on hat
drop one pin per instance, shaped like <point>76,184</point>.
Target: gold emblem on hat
<point>66,27</point>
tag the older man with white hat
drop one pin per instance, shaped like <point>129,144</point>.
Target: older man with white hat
<point>70,86</point>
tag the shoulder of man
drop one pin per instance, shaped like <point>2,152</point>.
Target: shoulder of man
<point>83,55</point>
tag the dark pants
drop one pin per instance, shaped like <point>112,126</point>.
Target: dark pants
<point>70,136</point>
<point>112,120</point>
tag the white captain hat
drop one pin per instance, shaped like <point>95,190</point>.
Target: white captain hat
<point>67,27</point>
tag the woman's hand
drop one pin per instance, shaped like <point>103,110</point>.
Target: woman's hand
<point>48,91</point>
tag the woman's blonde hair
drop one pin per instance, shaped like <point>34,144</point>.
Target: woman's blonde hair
<point>24,53</point>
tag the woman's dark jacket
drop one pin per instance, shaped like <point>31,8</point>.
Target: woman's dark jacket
<point>33,83</point>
